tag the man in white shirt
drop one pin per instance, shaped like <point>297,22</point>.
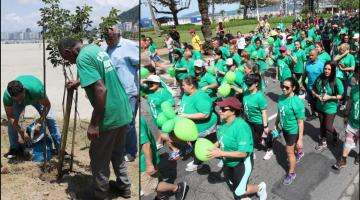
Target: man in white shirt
<point>240,41</point>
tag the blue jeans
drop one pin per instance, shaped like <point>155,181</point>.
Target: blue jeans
<point>346,84</point>
<point>131,141</point>
<point>50,122</point>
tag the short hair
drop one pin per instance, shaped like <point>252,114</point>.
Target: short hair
<point>14,88</point>
<point>67,43</point>
<point>190,80</point>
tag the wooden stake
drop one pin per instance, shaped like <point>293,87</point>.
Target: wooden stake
<point>69,98</point>
<point>74,130</point>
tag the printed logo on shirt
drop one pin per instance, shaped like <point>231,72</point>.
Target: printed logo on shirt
<point>282,116</point>
<point>356,110</point>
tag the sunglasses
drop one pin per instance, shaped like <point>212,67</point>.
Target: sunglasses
<point>151,83</point>
<point>282,51</point>
<point>224,109</point>
<point>284,87</point>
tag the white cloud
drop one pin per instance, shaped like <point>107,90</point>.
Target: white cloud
<point>12,17</point>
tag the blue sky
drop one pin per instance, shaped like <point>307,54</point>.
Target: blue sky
<point>17,15</point>
<point>145,12</point>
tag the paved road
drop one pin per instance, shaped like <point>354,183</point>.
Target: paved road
<point>315,178</point>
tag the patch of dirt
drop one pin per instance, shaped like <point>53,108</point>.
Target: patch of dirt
<point>25,180</point>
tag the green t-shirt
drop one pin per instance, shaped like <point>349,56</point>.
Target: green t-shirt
<point>145,137</point>
<point>261,63</point>
<point>354,112</point>
<point>154,101</point>
<point>235,137</point>
<point>237,59</point>
<point>301,58</point>
<point>208,79</point>
<point>278,42</point>
<point>348,61</point>
<point>152,48</point>
<point>253,105</point>
<point>181,64</point>
<point>249,48</point>
<point>221,66</point>
<point>311,32</point>
<point>34,91</point>
<point>284,64</point>
<point>199,102</point>
<point>317,38</point>
<point>290,109</point>
<point>190,66</point>
<point>355,48</point>
<point>308,48</point>
<point>196,55</point>
<point>225,53</point>
<point>324,57</point>
<point>303,43</point>
<point>328,107</point>
<point>291,47</point>
<point>94,64</point>
<point>335,38</point>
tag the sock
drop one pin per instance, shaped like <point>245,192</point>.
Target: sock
<point>292,174</point>
<point>343,158</point>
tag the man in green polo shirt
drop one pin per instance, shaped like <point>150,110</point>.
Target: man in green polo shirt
<point>110,117</point>
<point>23,91</point>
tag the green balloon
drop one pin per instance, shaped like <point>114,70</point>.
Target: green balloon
<point>185,129</point>
<point>144,73</point>
<point>161,119</point>
<point>166,105</point>
<point>270,40</point>
<point>211,70</point>
<point>224,90</point>
<point>169,113</point>
<point>230,77</point>
<point>202,148</point>
<point>168,126</point>
<point>253,55</point>
<point>171,71</point>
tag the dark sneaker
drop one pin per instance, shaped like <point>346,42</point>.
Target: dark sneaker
<point>289,178</point>
<point>27,153</point>
<point>188,149</point>
<point>311,117</point>
<point>339,164</point>
<point>11,154</point>
<point>335,138</point>
<point>90,194</point>
<point>123,192</point>
<point>321,147</point>
<point>356,162</point>
<point>181,191</point>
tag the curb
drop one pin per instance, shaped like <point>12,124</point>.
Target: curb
<point>350,191</point>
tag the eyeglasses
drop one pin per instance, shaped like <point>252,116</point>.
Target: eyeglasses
<point>284,87</point>
<point>224,109</point>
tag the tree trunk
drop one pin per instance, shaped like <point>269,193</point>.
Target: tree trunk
<point>213,10</point>
<point>245,12</point>
<point>206,25</point>
<point>154,22</point>
<point>175,17</point>
<point>174,12</point>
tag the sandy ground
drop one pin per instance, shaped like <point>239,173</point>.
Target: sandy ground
<point>25,180</point>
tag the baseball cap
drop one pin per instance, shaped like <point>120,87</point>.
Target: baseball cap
<point>231,102</point>
<point>289,37</point>
<point>282,48</point>
<point>153,78</point>
<point>273,33</point>
<point>192,30</point>
<point>229,61</point>
<point>356,36</point>
<point>199,63</point>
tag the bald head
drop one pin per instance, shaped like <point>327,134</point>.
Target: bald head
<point>314,54</point>
<point>112,37</point>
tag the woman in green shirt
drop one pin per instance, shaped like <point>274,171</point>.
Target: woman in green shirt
<point>181,68</point>
<point>154,100</point>
<point>235,147</point>
<point>255,106</point>
<point>327,92</point>
<point>290,117</point>
<point>207,82</point>
<point>220,68</point>
<point>323,55</point>
<point>261,57</point>
<point>198,106</point>
<point>301,60</point>
<point>153,53</point>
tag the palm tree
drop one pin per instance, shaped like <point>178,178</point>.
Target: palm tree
<point>222,13</point>
<point>206,25</point>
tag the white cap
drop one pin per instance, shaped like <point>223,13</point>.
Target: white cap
<point>153,78</point>
<point>199,63</point>
<point>356,36</point>
<point>229,61</point>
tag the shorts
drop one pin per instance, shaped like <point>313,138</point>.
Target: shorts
<point>155,58</point>
<point>290,139</point>
<point>257,131</point>
<point>238,176</point>
<point>351,136</point>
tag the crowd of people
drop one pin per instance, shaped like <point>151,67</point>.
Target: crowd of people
<point>313,58</point>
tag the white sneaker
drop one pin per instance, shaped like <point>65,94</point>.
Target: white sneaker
<point>190,163</point>
<point>142,193</point>
<point>192,167</point>
<point>254,156</point>
<point>159,146</point>
<point>129,158</point>
<point>220,164</point>
<point>268,155</point>
<point>342,107</point>
<point>262,191</point>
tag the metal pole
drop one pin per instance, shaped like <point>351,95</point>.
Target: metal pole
<point>257,10</point>
<point>44,80</point>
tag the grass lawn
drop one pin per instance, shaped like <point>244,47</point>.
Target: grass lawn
<point>185,35</point>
